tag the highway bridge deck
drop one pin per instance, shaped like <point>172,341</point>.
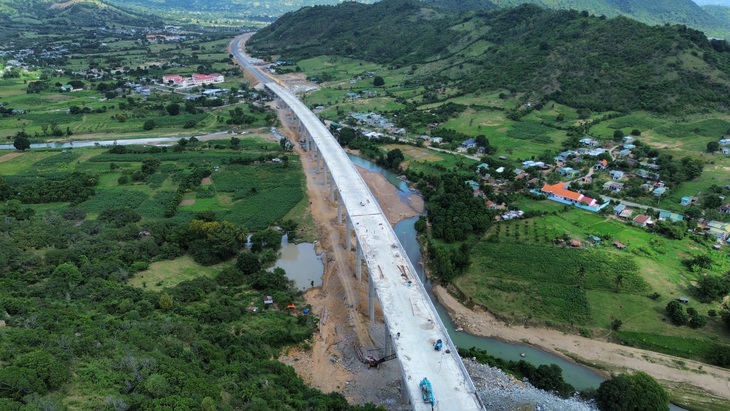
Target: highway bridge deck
<point>405,303</point>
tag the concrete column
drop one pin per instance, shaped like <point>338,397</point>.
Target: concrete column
<point>371,298</point>
<point>339,213</point>
<point>332,186</point>
<point>348,228</point>
<point>358,259</point>
<point>404,390</point>
<point>388,341</point>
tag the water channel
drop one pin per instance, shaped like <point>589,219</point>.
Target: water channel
<point>577,375</point>
<point>102,143</point>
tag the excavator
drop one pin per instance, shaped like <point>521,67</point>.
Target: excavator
<point>371,361</point>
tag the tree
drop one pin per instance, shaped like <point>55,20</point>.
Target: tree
<point>713,146</point>
<point>638,392</point>
<point>378,81</point>
<point>248,263</point>
<point>173,109</point>
<point>676,313</point>
<point>148,125</point>
<point>68,274</point>
<point>693,212</point>
<point>21,142</point>
<point>712,287</point>
<point>712,201</point>
<point>618,134</point>
<point>165,302</point>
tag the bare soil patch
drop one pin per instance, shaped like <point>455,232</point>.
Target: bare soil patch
<point>187,202</point>
<point>10,156</point>
<point>206,181</point>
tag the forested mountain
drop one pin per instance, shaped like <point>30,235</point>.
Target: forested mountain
<point>567,56</point>
<point>80,13</point>
<point>647,11</point>
<point>717,11</point>
<point>257,10</point>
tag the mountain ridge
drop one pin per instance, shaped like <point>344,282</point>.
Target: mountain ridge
<point>566,56</point>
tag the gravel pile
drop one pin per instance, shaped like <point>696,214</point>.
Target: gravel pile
<point>501,392</point>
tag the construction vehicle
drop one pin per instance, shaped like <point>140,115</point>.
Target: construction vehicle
<point>370,360</point>
<point>438,345</point>
<point>427,392</point>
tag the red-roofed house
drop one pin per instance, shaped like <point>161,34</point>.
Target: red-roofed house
<point>558,192</point>
<point>195,80</point>
<point>207,78</point>
<point>642,220</point>
<point>175,78</point>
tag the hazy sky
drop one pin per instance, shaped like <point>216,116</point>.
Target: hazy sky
<point>718,2</point>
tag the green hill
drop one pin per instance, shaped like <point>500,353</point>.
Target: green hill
<point>566,56</point>
<point>49,15</point>
<point>651,12</point>
<point>223,9</point>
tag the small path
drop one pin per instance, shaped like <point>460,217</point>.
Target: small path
<point>10,156</point>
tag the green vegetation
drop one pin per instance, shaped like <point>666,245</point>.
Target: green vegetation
<point>637,391</point>
<point>155,312</point>
<point>565,56</point>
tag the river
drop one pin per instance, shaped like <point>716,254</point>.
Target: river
<point>579,376</point>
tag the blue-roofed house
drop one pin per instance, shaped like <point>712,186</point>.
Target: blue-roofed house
<point>473,184</point>
<point>659,191</point>
<point>686,200</point>
<point>470,143</point>
<point>666,215</point>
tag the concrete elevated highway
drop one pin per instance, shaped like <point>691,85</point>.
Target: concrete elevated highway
<point>392,279</point>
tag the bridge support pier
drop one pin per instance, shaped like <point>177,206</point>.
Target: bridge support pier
<point>358,259</point>
<point>332,186</point>
<point>388,341</point>
<point>371,298</point>
<point>339,213</point>
<point>348,229</point>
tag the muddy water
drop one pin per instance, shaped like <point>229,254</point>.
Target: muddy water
<point>301,263</point>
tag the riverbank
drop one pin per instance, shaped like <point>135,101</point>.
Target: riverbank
<point>710,385</point>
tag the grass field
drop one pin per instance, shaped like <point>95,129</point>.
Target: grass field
<point>169,273</point>
<point>522,275</point>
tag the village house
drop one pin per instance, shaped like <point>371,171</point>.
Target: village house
<point>659,191</point>
<point>628,139</point>
<point>194,80</point>
<point>568,172</point>
<point>613,186</point>
<point>616,174</point>
<point>601,165</point>
<point>666,215</point>
<point>558,192</point>
<point>725,209</point>
<point>470,143</point>
<point>643,220</point>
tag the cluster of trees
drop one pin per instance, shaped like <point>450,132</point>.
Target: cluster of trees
<point>50,188</point>
<point>692,317</point>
